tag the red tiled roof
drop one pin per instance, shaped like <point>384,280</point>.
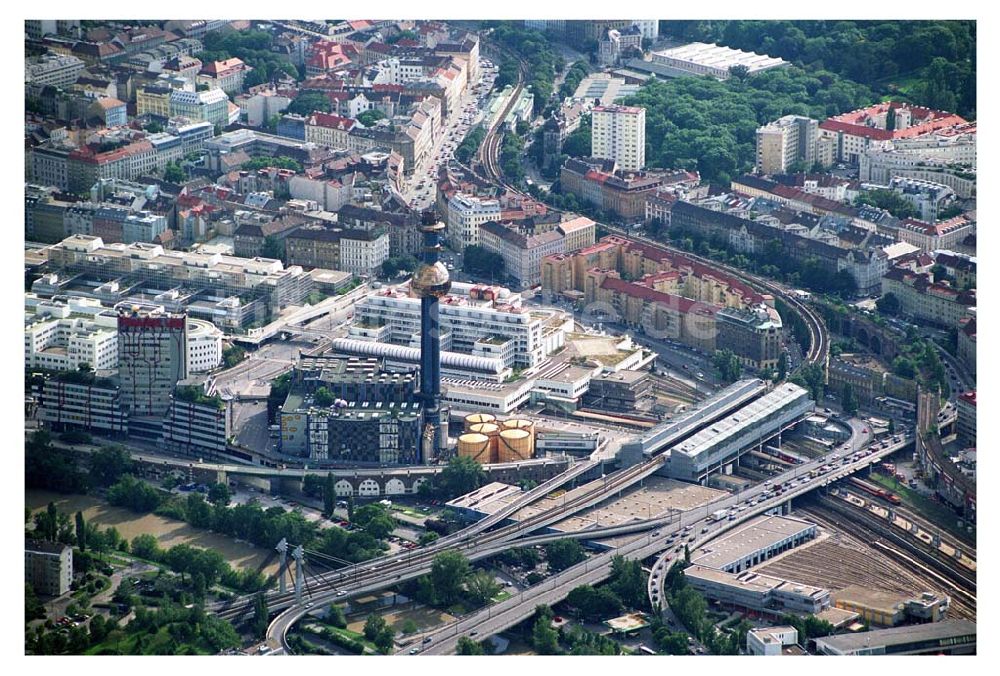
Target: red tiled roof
<point>925,121</point>
<point>684,305</point>
<point>214,68</point>
<point>331,121</point>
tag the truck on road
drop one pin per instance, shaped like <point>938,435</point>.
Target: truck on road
<point>719,514</point>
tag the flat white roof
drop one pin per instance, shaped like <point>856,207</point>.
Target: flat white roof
<point>717,56</point>
<point>754,536</point>
<point>780,397</point>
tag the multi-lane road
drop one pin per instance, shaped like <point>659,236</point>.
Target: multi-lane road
<point>503,615</point>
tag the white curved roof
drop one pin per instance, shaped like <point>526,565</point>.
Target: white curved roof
<point>412,354</point>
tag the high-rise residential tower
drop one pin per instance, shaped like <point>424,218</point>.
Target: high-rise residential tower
<point>619,133</point>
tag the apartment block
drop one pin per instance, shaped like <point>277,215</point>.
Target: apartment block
<point>80,401</point>
<point>619,133</point>
<point>48,567</point>
<point>475,316</point>
<point>465,214</point>
<point>859,131</point>
<point>923,299</point>
<point>57,70</point>
<point>788,140</point>
<point>194,424</point>
<point>226,75</point>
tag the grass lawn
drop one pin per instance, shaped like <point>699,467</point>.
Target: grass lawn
<point>934,511</point>
<point>346,633</point>
<point>502,596</point>
<point>157,644</point>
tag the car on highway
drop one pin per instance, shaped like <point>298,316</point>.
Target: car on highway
<point>427,639</point>
<point>414,651</point>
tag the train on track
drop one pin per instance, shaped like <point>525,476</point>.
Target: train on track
<point>876,491</point>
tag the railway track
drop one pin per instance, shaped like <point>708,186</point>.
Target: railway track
<point>489,151</point>
<point>927,566</point>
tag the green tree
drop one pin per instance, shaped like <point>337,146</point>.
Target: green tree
<point>628,581</point>
<point>466,646</point>
<point>273,247</point>
<point>336,617</point>
<point>173,173</point>
<point>462,475</point>
<point>849,399</point>
<point>670,642</point>
<point>479,261</point>
<point>904,367</point>
<point>33,608</point>
<point>373,625</point>
<point>146,546</point>
<point>481,587</point>
<point>219,494</point>
<point>135,494</point>
<point>544,639</point>
<point>595,604</point>
<point>81,532</point>
<point>727,364</point>
<point>782,365</point>
<point>47,523</point>
<point>563,554</point>
<point>309,102</point>
<point>370,117</point>
<point>449,571</point>
<point>260,615</point>
<point>323,397</point>
<point>385,640</point>
<point>889,200</point>
<point>110,464</point>
<point>739,72</point>
<point>409,627</point>
<point>427,538</point>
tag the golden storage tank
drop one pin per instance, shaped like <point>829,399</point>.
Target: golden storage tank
<point>514,445</point>
<point>492,430</point>
<point>477,418</point>
<point>522,424</point>
<point>475,446</point>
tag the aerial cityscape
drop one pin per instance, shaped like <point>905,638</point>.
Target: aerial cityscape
<point>494,337</point>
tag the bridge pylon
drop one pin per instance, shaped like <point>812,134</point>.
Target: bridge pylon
<point>299,555</point>
<point>282,549</point>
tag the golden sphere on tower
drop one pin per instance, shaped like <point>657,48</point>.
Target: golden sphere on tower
<point>430,280</point>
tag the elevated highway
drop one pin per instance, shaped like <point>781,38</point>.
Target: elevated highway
<point>387,571</point>
<point>503,615</point>
<point>798,488</point>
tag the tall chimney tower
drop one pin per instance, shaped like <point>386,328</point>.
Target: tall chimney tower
<point>429,283</point>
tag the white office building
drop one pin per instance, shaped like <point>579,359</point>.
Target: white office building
<point>465,214</point>
<point>619,133</point>
<point>485,321</point>
<point>771,640</point>
<point>204,346</point>
<point>61,336</point>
